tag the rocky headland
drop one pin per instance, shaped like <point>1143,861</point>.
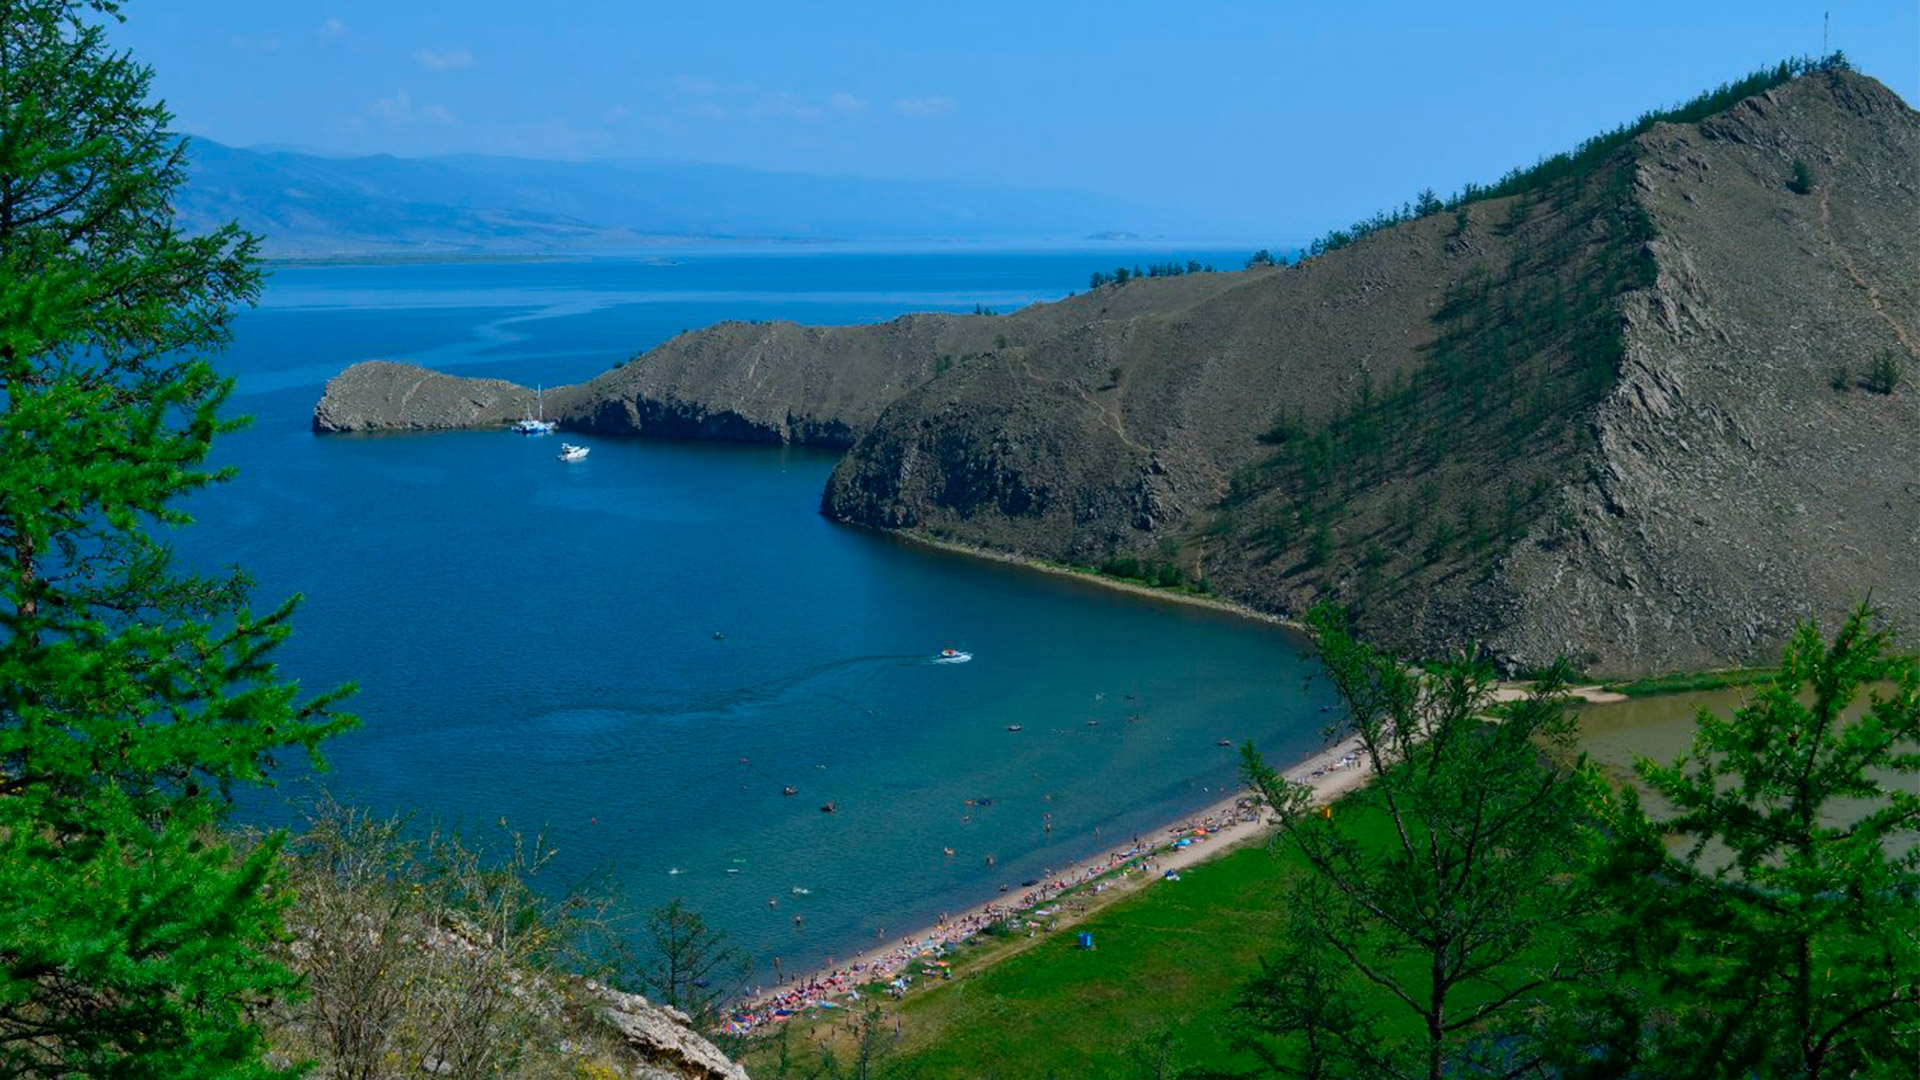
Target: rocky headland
<point>1646,413</point>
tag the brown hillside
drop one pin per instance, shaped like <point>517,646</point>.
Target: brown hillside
<point>1597,419</point>
<point>1733,488</point>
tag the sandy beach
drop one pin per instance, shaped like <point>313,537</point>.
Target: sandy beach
<point>1225,825</point>
<point>1221,827</point>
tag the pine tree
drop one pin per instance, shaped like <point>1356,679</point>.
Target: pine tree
<point>133,697</point>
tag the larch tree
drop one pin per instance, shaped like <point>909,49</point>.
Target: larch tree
<point>1767,915</point>
<point>1436,911</point>
<point>688,964</point>
<point>134,697</point>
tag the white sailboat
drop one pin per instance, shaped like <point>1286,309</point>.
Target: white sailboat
<point>530,425</point>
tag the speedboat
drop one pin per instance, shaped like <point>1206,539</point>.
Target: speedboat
<point>570,452</point>
<point>952,656</point>
<point>1014,727</point>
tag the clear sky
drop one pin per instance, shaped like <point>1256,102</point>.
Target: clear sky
<point>1298,115</point>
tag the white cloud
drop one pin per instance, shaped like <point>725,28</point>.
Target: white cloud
<point>400,111</point>
<point>688,84</point>
<point>332,30</point>
<point>441,61</point>
<point>845,103</point>
<point>705,111</point>
<point>786,107</point>
<point>614,115</point>
<point>922,106</point>
<point>253,44</point>
<point>397,109</point>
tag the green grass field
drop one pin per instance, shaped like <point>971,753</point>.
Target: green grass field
<point>1169,960</point>
<point>1690,681</point>
<point>1171,957</point>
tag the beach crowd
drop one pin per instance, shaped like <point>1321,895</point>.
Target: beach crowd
<point>888,971</point>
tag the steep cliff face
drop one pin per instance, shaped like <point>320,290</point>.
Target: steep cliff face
<point>1746,472</point>
<point>770,382</point>
<point>737,381</point>
<point>1602,419</point>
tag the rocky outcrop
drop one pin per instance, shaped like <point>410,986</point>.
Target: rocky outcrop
<point>736,381</point>
<point>662,1039</point>
<point>381,395</point>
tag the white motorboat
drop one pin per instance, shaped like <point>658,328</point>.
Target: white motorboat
<point>570,452</point>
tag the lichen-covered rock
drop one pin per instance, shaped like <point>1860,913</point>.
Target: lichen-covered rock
<point>662,1038</point>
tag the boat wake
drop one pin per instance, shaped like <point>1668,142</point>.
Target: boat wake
<point>952,656</point>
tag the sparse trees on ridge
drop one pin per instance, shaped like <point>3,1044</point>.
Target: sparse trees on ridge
<point>1589,154</point>
<point>1173,268</point>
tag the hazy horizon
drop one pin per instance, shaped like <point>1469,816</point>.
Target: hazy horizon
<point>1297,118</point>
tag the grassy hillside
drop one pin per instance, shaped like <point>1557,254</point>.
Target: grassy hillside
<point>1168,960</point>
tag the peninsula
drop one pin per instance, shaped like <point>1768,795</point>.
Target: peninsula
<point>1608,408</point>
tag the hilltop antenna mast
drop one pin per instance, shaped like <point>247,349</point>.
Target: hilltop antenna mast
<point>1826,33</point>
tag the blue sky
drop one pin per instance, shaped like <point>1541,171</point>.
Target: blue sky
<point>1297,115</point>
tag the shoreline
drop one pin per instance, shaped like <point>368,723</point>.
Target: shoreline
<point>1594,693</point>
<point>1223,826</point>
<point>1209,832</point>
<point>1027,562</point>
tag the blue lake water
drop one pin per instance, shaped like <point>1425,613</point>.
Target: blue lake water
<point>536,640</point>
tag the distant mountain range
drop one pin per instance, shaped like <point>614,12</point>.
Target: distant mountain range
<point>310,205</point>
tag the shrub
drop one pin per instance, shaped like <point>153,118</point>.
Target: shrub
<point>1801,182</point>
<point>1884,375</point>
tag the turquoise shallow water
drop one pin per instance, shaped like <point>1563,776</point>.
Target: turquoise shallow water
<point>536,641</point>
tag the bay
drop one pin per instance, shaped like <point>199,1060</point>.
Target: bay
<point>637,653</point>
